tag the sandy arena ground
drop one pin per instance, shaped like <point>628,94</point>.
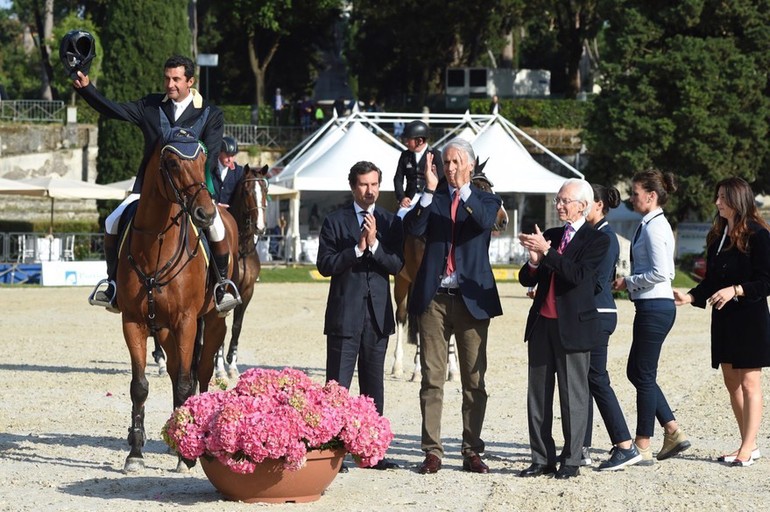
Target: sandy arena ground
<point>65,406</point>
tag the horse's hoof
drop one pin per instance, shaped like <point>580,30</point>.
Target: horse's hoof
<point>398,373</point>
<point>220,375</point>
<point>233,373</point>
<point>133,464</point>
<point>161,366</point>
<point>415,377</point>
<point>453,377</point>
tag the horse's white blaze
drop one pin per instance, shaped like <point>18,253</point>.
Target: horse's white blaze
<point>261,206</point>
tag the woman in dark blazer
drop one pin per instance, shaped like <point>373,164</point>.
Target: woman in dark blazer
<point>737,284</point>
<point>624,452</point>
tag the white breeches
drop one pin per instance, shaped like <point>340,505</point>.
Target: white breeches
<point>403,211</point>
<point>216,231</point>
<point>113,220</point>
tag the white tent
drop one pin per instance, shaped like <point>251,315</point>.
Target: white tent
<point>510,167</point>
<point>328,163</point>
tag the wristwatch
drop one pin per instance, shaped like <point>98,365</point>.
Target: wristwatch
<point>428,191</point>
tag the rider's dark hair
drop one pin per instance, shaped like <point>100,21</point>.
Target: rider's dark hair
<point>176,61</point>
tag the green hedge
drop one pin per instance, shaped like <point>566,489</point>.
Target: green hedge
<point>241,114</point>
<point>72,226</point>
<point>538,113</point>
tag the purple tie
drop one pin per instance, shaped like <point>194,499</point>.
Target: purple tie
<point>566,237</point>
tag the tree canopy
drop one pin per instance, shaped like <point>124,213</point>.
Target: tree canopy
<point>132,68</point>
<point>685,90</point>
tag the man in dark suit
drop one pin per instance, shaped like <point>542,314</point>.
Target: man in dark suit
<point>228,173</point>
<point>562,327</point>
<point>412,165</point>
<point>360,247</point>
<point>454,293</point>
<point>180,105</point>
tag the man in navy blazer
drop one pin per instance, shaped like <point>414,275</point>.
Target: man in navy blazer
<point>180,105</point>
<point>454,293</point>
<point>360,247</point>
<point>562,327</point>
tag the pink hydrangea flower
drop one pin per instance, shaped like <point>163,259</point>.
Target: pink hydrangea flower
<point>278,415</point>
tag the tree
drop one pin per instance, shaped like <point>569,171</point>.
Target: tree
<point>266,23</point>
<point>138,37</point>
<point>400,48</point>
<point>685,90</point>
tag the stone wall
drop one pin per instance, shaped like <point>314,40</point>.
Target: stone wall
<point>29,150</point>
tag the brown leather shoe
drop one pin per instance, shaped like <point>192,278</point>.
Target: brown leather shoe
<point>474,464</point>
<point>430,465</point>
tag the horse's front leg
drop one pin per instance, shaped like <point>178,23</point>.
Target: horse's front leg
<point>214,331</point>
<point>160,357</point>
<point>136,341</point>
<point>235,335</point>
<point>400,294</point>
<point>220,373</point>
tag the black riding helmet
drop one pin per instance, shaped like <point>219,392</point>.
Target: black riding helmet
<point>416,129</point>
<point>76,51</point>
<point>229,146</point>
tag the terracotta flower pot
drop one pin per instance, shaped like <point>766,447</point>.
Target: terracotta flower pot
<point>271,483</point>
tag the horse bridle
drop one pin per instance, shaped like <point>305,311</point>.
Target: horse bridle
<point>182,197</point>
<point>250,227</point>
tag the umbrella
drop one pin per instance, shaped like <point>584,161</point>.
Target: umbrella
<point>56,187</point>
<point>125,185</point>
<point>16,187</point>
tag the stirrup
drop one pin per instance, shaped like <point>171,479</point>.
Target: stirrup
<point>229,300</point>
<point>109,305</point>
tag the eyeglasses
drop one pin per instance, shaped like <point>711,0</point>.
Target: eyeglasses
<point>563,202</point>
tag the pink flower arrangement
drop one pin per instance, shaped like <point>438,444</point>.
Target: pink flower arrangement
<point>272,414</point>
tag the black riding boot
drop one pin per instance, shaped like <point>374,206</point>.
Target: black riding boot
<point>107,296</point>
<point>225,301</point>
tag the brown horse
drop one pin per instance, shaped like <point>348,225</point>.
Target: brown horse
<point>248,206</point>
<point>414,248</point>
<point>164,289</point>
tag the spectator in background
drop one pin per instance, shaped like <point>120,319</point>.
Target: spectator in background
<point>277,106</point>
<point>494,106</point>
<point>339,106</point>
<point>306,113</point>
<point>318,116</point>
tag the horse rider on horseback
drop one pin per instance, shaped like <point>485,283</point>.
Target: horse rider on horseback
<point>411,166</point>
<point>228,174</point>
<point>183,106</point>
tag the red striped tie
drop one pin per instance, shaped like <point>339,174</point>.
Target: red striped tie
<point>450,262</point>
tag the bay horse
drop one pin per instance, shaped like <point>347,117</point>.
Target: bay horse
<point>164,288</point>
<point>406,325</point>
<point>248,206</point>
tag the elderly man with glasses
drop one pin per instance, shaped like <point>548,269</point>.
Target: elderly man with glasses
<point>562,328</point>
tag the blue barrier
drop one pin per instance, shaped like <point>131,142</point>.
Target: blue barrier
<point>20,273</point>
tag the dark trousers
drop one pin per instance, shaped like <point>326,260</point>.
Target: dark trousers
<point>368,348</point>
<point>447,315</point>
<point>547,361</point>
<point>652,323</point>
<point>601,388</point>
